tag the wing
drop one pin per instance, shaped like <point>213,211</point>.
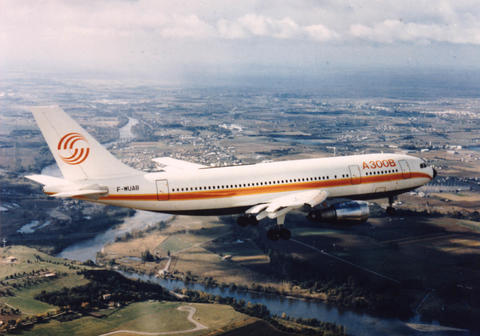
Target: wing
<point>171,164</point>
<point>280,206</point>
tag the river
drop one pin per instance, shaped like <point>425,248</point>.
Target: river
<point>126,131</point>
<point>87,250</point>
<point>356,323</point>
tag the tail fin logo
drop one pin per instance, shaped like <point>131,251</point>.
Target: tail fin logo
<point>73,148</point>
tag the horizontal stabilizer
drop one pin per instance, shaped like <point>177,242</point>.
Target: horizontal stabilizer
<point>61,188</point>
<point>86,192</point>
<point>47,180</point>
<point>171,164</point>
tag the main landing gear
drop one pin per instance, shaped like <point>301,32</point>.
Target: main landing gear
<point>275,233</point>
<point>390,209</point>
<point>278,232</point>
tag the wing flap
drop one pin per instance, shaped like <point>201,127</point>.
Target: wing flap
<point>257,208</point>
<point>298,199</point>
<point>280,206</point>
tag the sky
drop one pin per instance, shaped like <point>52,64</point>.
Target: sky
<point>180,39</point>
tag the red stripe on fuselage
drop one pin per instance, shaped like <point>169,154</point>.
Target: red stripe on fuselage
<point>208,194</point>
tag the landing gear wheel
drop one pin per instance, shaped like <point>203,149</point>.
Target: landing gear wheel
<point>252,220</point>
<point>391,211</point>
<point>276,233</point>
<point>273,234</point>
<point>285,234</point>
<point>242,221</point>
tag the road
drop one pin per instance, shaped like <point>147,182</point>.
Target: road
<point>191,311</point>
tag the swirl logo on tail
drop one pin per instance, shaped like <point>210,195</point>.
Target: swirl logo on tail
<point>73,148</point>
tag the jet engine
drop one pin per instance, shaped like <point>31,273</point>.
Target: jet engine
<point>351,211</point>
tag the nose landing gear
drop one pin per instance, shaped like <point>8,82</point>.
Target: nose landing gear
<point>390,209</point>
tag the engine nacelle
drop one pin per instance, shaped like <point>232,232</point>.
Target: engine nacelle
<point>352,211</point>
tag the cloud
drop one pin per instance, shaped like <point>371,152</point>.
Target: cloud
<point>391,31</point>
<point>252,25</point>
<point>320,33</point>
<point>187,27</point>
<point>162,33</point>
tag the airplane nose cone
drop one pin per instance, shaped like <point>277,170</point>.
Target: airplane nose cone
<point>434,173</point>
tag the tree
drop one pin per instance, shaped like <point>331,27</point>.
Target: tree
<point>147,256</point>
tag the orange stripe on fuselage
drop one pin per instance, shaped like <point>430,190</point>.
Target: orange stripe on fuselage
<point>206,194</point>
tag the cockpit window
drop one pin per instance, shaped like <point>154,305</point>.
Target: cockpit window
<point>423,165</point>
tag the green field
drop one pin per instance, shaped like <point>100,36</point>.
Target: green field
<point>24,299</point>
<point>146,317</point>
<point>152,316</point>
<point>178,242</point>
<point>28,260</point>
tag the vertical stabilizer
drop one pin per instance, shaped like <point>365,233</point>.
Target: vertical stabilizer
<point>79,156</point>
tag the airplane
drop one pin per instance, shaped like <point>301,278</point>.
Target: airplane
<point>257,191</point>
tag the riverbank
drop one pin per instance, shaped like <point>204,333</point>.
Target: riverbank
<point>206,251</point>
<point>213,253</point>
<point>42,294</point>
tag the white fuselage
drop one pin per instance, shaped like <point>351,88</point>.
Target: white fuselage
<point>236,188</point>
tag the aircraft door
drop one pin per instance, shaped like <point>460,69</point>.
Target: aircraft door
<point>355,174</point>
<point>163,193</point>
<point>405,169</point>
